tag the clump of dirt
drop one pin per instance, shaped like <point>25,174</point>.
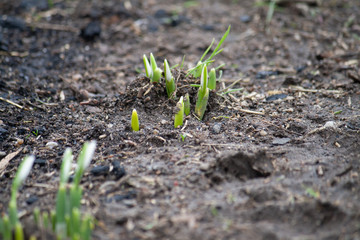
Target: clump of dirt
<point>241,166</point>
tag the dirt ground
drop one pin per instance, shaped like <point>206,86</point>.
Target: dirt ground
<point>279,159</point>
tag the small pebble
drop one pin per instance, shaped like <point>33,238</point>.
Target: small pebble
<point>19,141</point>
<point>330,124</point>
<point>100,170</point>
<point>2,153</point>
<point>91,31</point>
<point>216,128</point>
<point>280,141</point>
<point>52,145</point>
<point>263,133</point>
<point>164,122</point>
<point>40,162</point>
<point>102,136</point>
<point>245,18</point>
<point>204,166</point>
<point>118,170</point>
<point>31,200</point>
<point>276,97</point>
<point>289,110</point>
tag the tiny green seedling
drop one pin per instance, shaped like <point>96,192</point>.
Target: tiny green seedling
<point>156,72</point>
<point>68,205</point>
<point>135,121</point>
<point>169,79</point>
<point>187,104</point>
<point>179,116</point>
<point>11,223</point>
<point>20,176</point>
<point>183,136</point>
<point>212,79</point>
<point>148,69</point>
<point>203,95</point>
<point>151,69</point>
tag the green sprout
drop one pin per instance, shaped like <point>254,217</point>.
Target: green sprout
<point>151,69</point>
<point>60,226</point>
<point>179,116</point>
<point>212,79</point>
<point>187,104</point>
<point>197,70</point>
<point>156,72</point>
<point>148,69</point>
<point>20,176</point>
<point>135,121</point>
<point>68,206</point>
<point>270,13</point>
<point>203,94</point>
<point>183,137</point>
<point>11,223</point>
<point>66,221</point>
<point>169,79</point>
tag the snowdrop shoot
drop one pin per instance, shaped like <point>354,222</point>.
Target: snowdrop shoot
<point>134,121</point>
<point>169,79</point>
<point>179,116</point>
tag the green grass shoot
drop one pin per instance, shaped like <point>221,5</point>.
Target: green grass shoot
<point>156,72</point>
<point>148,69</point>
<point>212,79</point>
<point>135,121</point>
<point>179,116</point>
<point>61,199</point>
<point>187,104</point>
<point>196,71</point>
<point>169,80</point>
<point>21,175</point>
<point>11,223</point>
<point>203,95</point>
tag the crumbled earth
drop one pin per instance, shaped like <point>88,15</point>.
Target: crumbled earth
<point>277,159</point>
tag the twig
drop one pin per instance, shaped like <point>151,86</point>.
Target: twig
<point>11,102</point>
<point>183,128</point>
<point>5,161</point>
<point>230,86</point>
<point>14,54</point>
<point>249,111</point>
<point>56,27</point>
<point>301,89</point>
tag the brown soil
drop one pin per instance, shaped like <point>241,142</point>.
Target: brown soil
<point>291,172</point>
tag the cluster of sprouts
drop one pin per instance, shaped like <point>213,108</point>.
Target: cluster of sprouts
<point>207,83</point>
<point>66,221</point>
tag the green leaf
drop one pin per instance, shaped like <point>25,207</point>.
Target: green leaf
<point>203,80</point>
<point>84,160</point>
<point>212,79</point>
<point>187,104</point>
<point>61,211</point>
<point>216,50</point>
<point>179,116</point>
<point>147,66</point>
<point>153,62</point>
<point>196,71</point>
<point>156,75</point>
<point>22,172</point>
<point>6,234</point>
<point>169,80</point>
<point>65,166</point>
<point>201,104</point>
<point>135,121</point>
<point>19,233</point>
